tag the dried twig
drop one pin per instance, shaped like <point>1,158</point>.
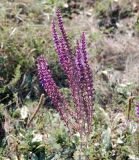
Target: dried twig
<point>16,150</point>
<point>130,101</point>
<point>36,110</point>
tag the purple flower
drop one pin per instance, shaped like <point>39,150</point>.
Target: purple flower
<point>88,82</point>
<point>80,80</point>
<point>137,111</point>
<point>63,32</point>
<point>52,90</point>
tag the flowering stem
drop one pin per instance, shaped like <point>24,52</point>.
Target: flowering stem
<point>80,80</point>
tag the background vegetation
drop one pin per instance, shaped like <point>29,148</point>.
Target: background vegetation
<point>112,28</point>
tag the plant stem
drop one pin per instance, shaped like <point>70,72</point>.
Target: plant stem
<point>36,110</point>
<point>130,101</point>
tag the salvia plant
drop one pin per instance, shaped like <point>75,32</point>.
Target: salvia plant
<point>80,80</point>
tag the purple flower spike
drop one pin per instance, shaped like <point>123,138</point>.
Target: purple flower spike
<point>80,80</point>
<point>63,32</point>
<point>53,91</point>
<point>55,38</point>
<point>89,89</point>
<point>137,111</point>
